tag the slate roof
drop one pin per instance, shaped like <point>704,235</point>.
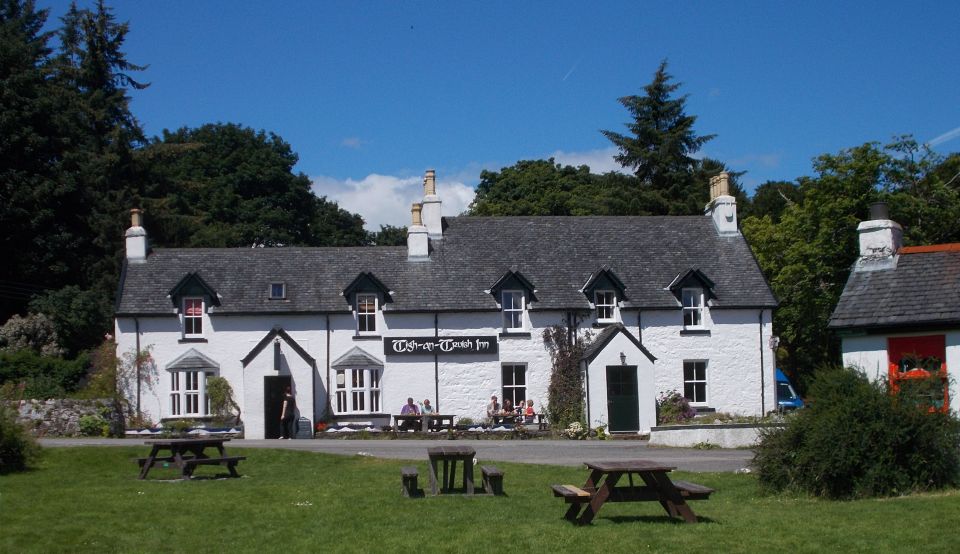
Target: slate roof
<point>556,254</point>
<point>600,342</point>
<point>922,290</point>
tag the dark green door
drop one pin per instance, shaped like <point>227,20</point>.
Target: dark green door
<point>623,400</point>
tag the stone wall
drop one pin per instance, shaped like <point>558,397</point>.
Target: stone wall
<point>61,417</point>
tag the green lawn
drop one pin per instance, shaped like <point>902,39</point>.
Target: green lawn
<point>88,499</point>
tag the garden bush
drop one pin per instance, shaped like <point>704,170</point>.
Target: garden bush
<point>672,407</point>
<point>18,449</point>
<point>856,440</point>
<point>94,426</point>
<point>43,376</point>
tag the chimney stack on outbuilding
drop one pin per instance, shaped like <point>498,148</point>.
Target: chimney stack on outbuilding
<point>136,238</point>
<point>722,207</point>
<point>431,206</point>
<point>418,242</point>
<point>880,238</point>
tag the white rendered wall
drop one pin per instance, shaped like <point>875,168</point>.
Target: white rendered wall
<point>465,382</point>
<point>732,350</point>
<point>869,353</point>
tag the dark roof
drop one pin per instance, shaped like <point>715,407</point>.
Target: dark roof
<point>600,342</point>
<point>922,290</point>
<point>556,254</point>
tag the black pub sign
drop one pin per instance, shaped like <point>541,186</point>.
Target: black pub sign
<point>439,345</point>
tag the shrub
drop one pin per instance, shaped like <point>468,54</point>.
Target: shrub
<point>672,407</point>
<point>94,426</point>
<point>42,376</point>
<point>222,403</point>
<point>856,440</point>
<point>18,449</point>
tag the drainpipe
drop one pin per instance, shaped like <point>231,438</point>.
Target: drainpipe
<point>436,364</point>
<point>763,398</point>
<point>136,323</point>
<point>326,407</point>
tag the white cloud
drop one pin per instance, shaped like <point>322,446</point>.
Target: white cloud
<point>352,142</point>
<point>386,199</point>
<point>600,161</point>
<point>948,136</point>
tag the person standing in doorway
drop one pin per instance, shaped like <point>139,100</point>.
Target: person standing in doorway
<point>288,414</point>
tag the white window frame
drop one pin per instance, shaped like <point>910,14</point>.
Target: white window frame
<point>188,393</point>
<point>367,320</point>
<point>605,301</point>
<point>513,316</point>
<point>694,382</point>
<point>694,306</point>
<point>358,391</point>
<point>511,390</point>
<point>191,321</point>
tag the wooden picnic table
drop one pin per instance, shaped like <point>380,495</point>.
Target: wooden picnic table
<point>187,454</point>
<point>655,485</point>
<point>514,419</point>
<point>423,422</point>
<point>450,455</point>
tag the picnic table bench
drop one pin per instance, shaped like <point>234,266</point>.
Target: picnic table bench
<point>602,486</point>
<point>187,454</point>
<point>423,422</point>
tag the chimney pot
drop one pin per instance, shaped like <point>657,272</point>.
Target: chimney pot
<point>415,212</point>
<point>430,183</point>
<point>136,217</point>
<point>879,210</point>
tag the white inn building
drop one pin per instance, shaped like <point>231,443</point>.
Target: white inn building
<point>457,315</point>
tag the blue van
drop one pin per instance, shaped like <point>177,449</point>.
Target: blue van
<point>787,398</point>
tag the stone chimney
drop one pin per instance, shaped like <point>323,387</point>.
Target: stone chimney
<point>136,237</point>
<point>722,207</point>
<point>880,239</point>
<point>418,243</point>
<point>431,206</point>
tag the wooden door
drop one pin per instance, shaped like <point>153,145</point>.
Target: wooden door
<point>623,398</point>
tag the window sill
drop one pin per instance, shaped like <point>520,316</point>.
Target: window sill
<point>191,339</point>
<point>704,409</point>
<point>367,337</point>
<point>515,335</point>
<point>602,324</point>
<point>694,332</point>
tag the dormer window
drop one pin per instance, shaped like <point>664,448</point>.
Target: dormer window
<point>512,304</point>
<point>606,303</point>
<point>692,307</point>
<point>366,313</point>
<point>278,291</point>
<point>192,317</point>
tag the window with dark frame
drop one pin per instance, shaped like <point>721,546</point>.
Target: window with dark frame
<point>514,383</point>
<point>278,290</point>
<point>695,381</point>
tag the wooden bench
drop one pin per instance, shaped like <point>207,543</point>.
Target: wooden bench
<point>408,481</point>
<point>191,462</point>
<point>492,480</point>
<point>571,493</point>
<point>692,491</point>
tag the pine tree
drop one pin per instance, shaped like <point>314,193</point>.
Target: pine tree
<point>661,140</point>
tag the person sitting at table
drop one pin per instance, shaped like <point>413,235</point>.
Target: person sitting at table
<point>507,407</point>
<point>410,408</point>
<point>528,412</point>
<point>427,408</point>
<point>493,408</point>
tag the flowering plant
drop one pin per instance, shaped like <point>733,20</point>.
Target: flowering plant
<point>321,426</point>
<point>672,407</point>
<point>576,431</point>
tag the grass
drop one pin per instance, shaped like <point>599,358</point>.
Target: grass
<point>88,499</point>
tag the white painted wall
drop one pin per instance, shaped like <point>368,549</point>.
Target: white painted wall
<point>465,382</point>
<point>732,350</point>
<point>869,353</point>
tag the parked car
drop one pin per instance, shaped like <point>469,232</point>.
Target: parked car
<point>787,398</point>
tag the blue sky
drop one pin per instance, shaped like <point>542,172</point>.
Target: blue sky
<point>372,93</point>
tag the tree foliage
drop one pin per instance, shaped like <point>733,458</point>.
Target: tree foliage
<point>565,392</point>
<point>807,254</point>
<point>34,332</point>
